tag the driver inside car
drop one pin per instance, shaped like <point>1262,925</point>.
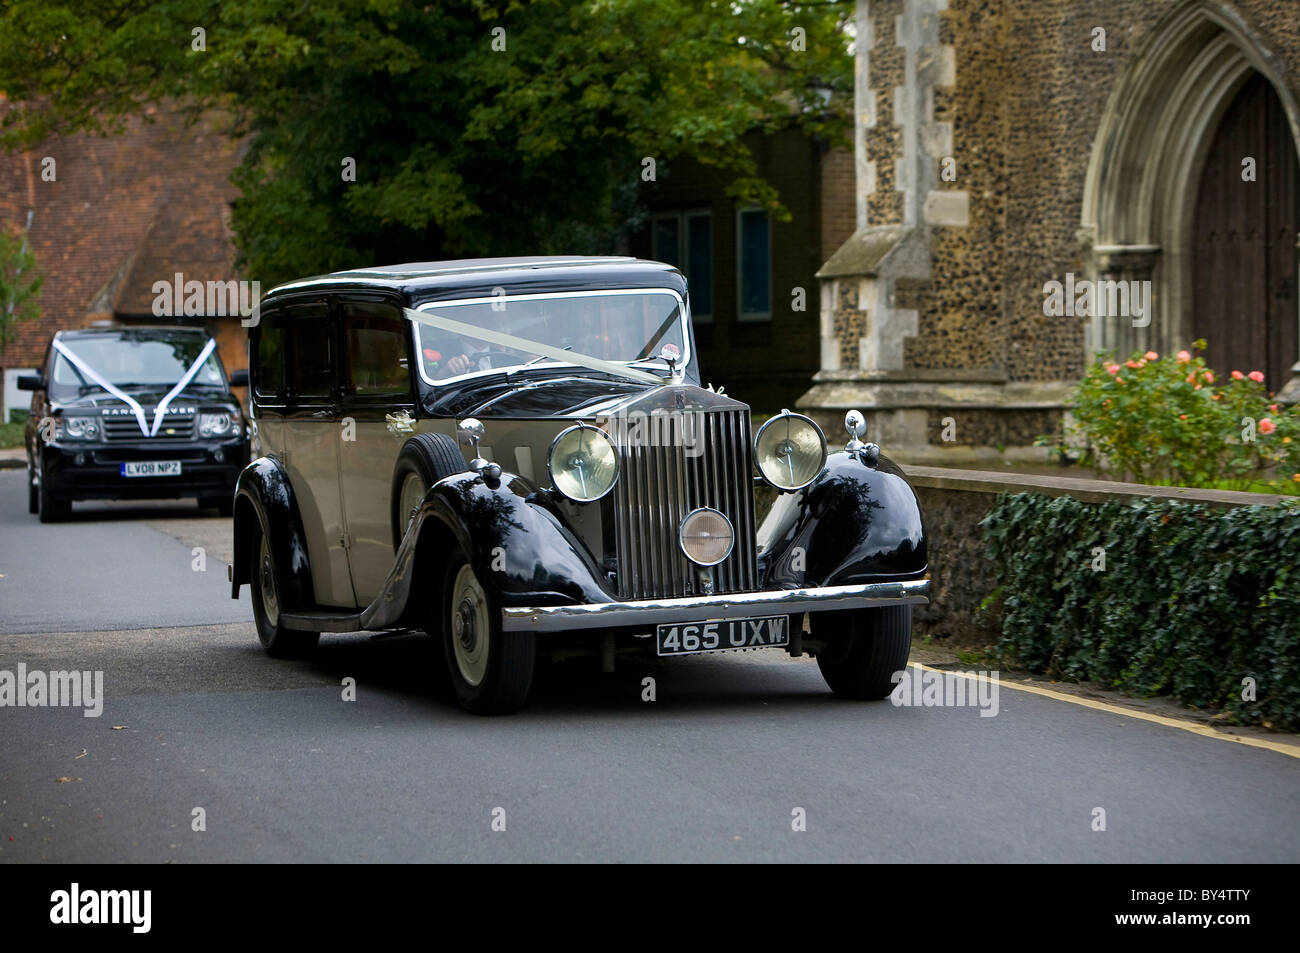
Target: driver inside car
<point>463,354</point>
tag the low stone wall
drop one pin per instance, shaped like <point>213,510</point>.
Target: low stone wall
<point>953,502</point>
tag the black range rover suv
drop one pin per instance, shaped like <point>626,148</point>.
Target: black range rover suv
<point>133,413</point>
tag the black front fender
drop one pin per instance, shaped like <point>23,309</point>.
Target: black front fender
<point>856,522</point>
<point>264,497</point>
<point>514,538</point>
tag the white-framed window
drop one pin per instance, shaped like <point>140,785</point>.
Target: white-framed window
<point>684,239</point>
<point>753,264</point>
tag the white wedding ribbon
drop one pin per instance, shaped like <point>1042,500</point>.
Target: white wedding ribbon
<point>180,385</point>
<point>161,410</point>
<point>441,323</point>
<point>90,372</point>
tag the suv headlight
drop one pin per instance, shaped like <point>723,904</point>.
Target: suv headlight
<point>790,450</point>
<point>583,463</point>
<point>223,424</point>
<point>79,428</point>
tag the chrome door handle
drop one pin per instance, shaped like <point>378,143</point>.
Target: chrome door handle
<point>400,423</point>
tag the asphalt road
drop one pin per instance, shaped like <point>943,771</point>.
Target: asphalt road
<point>195,716</point>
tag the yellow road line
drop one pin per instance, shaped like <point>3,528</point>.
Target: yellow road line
<point>1196,729</point>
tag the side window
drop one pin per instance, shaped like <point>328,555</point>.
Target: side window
<point>374,338</point>
<point>309,369</point>
<point>754,267</point>
<point>268,358</point>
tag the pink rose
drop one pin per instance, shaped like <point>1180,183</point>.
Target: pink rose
<point>1151,356</point>
<point>1267,426</point>
<point>1191,378</point>
<point>1112,368</point>
<point>1272,408</point>
<point>1184,357</point>
<point>1257,376</point>
<point>1238,376</point>
<point>1209,377</point>
<point>1133,364</point>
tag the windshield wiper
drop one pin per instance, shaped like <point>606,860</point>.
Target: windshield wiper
<point>539,357</point>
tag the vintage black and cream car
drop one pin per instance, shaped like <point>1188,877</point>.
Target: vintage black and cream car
<point>132,413</point>
<point>517,456</point>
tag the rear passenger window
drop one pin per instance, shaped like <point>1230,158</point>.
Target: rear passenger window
<point>374,336</point>
<point>268,359</point>
<point>309,370</point>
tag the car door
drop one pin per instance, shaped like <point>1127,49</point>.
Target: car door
<point>377,396</point>
<point>267,352</point>
<point>311,444</point>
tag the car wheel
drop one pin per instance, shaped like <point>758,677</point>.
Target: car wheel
<point>491,670</point>
<point>865,647</point>
<point>278,641</point>
<point>33,493</point>
<point>52,508</point>
<point>425,459</point>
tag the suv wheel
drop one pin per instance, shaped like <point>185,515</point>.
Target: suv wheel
<point>52,508</point>
<point>865,648</point>
<point>491,670</point>
<point>278,641</point>
<point>33,492</point>
<point>425,459</point>
<point>225,506</point>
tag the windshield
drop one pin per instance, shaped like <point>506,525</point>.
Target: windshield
<point>623,327</point>
<point>130,360</point>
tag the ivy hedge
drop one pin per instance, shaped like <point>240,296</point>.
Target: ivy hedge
<point>1154,597</point>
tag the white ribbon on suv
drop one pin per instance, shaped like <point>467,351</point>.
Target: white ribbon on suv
<point>130,401</point>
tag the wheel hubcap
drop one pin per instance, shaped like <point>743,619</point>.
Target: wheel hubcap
<point>266,579</point>
<point>469,626</point>
<point>413,490</point>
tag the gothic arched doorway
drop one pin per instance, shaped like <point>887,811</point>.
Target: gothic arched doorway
<point>1244,240</point>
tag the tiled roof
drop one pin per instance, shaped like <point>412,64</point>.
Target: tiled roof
<point>121,213</point>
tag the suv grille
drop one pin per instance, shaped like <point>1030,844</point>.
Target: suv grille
<point>127,428</point>
<point>659,485</point>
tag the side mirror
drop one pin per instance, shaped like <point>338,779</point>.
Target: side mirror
<point>30,382</point>
<point>239,378</point>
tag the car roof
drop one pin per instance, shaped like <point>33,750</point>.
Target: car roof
<point>471,277</point>
<point>159,329</point>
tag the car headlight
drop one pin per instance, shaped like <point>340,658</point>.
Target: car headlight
<point>218,425</point>
<point>790,450</point>
<point>79,428</point>
<point>583,463</point>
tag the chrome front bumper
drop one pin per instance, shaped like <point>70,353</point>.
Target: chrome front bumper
<point>701,608</point>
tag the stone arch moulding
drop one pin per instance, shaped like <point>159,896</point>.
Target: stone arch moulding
<point>1140,191</point>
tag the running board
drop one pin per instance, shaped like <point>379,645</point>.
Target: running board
<point>321,621</point>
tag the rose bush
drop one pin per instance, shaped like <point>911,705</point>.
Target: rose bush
<point>1174,421</point>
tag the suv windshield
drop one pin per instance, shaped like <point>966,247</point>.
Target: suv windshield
<point>624,327</point>
<point>134,359</point>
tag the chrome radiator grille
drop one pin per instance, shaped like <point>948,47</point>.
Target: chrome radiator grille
<point>659,484</point>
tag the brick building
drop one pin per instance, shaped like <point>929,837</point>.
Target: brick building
<point>108,217</point>
<point>1005,144</point>
<point>753,279</point>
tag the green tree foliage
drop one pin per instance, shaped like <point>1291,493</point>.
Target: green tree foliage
<point>20,285</point>
<point>460,147</point>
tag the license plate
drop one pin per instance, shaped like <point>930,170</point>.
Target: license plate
<point>719,635</point>
<point>152,468</point>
